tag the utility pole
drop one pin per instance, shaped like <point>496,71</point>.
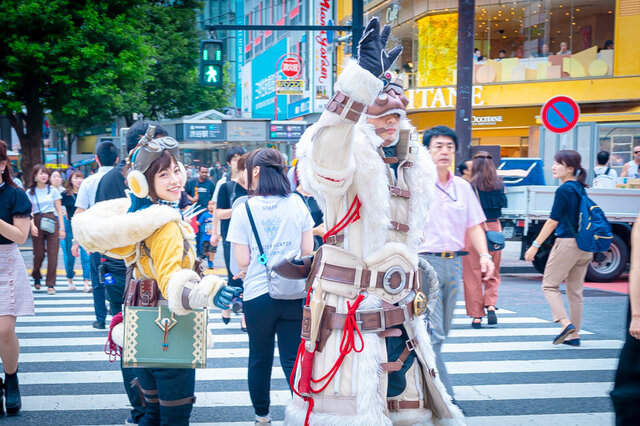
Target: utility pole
<point>464,88</point>
<point>357,26</point>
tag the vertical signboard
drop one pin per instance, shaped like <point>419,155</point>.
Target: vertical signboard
<point>244,87</point>
<point>239,50</point>
<point>263,74</point>
<point>322,77</point>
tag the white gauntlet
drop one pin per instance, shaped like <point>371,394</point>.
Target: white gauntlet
<point>199,294</point>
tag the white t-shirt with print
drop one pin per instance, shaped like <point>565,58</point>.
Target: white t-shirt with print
<point>280,223</point>
<point>44,198</point>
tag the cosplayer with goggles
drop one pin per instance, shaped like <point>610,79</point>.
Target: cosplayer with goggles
<point>149,233</point>
<point>365,357</point>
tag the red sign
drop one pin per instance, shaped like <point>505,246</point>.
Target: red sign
<point>291,67</point>
<point>560,114</point>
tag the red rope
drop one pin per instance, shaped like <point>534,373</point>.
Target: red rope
<point>353,215</point>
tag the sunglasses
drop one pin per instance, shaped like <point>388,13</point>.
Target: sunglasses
<point>636,152</point>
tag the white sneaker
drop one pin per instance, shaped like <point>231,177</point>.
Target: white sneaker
<point>263,420</point>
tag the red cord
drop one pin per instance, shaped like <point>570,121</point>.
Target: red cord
<point>110,348</point>
<point>353,215</point>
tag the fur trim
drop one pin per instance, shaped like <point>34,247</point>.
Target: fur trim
<point>117,334</point>
<point>107,225</point>
<point>137,183</point>
<point>358,83</point>
<point>179,280</point>
<point>421,180</point>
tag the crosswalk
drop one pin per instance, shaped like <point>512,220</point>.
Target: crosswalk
<point>505,375</point>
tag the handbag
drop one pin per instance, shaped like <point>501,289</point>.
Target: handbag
<point>47,224</point>
<point>279,287</point>
<point>495,239</point>
<point>154,337</point>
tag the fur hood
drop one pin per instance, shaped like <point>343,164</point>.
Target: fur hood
<point>107,225</point>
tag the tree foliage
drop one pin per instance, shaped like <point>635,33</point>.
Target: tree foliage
<point>86,62</point>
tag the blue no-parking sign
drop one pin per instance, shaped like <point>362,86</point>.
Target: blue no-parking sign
<point>560,114</point>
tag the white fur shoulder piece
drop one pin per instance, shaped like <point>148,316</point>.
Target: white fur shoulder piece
<point>107,225</point>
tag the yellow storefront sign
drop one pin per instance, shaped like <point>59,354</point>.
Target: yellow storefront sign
<point>289,87</point>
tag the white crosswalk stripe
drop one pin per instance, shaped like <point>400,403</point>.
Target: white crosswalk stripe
<point>65,373</point>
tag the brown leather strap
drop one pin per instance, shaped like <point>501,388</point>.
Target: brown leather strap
<point>335,239</point>
<point>395,405</point>
<point>390,332</point>
<point>144,394</point>
<point>339,102</point>
<point>399,192</point>
<point>396,365</point>
<point>390,160</point>
<point>407,164</point>
<point>178,402</point>
<point>185,298</point>
<point>371,320</point>
<point>397,226</point>
<point>343,275</point>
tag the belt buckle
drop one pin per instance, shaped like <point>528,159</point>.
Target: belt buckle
<point>393,405</point>
<point>405,312</point>
<point>380,312</point>
<point>332,240</point>
<point>386,280</point>
<point>410,345</point>
<point>447,255</point>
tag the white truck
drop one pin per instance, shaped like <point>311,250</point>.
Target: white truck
<point>529,207</point>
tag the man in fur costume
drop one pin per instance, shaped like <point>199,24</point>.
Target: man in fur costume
<point>366,358</point>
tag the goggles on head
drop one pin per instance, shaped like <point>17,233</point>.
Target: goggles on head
<point>391,100</point>
<point>150,149</point>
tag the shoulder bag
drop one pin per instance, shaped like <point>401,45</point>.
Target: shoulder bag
<point>47,224</point>
<point>279,287</point>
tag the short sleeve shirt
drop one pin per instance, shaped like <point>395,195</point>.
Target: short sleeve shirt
<point>13,203</point>
<point>455,208</point>
<point>566,203</point>
<point>112,185</point>
<point>280,223</point>
<point>43,200</point>
<point>205,191</point>
<point>89,188</point>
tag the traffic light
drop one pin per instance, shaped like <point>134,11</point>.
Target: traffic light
<point>211,63</point>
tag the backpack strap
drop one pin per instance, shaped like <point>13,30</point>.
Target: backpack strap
<point>582,193</point>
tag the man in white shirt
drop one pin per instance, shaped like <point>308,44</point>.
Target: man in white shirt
<point>106,157</point>
<point>632,168</point>
<point>604,175</point>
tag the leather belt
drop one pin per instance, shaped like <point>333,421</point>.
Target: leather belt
<point>340,101</point>
<point>397,226</point>
<point>410,345</point>
<point>390,160</point>
<point>448,254</point>
<point>373,320</point>
<point>335,239</point>
<point>396,405</point>
<point>491,220</point>
<point>346,275</point>
<point>399,192</point>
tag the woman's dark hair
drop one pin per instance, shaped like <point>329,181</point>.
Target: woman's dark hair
<point>484,176</point>
<point>161,163</point>
<point>571,158</point>
<point>272,180</point>
<point>242,162</point>
<point>6,174</point>
<point>69,186</point>
<point>34,172</point>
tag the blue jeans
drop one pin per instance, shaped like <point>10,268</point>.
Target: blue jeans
<point>162,388</point>
<point>69,260</point>
<point>449,277</point>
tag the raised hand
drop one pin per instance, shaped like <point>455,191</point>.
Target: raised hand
<point>371,49</point>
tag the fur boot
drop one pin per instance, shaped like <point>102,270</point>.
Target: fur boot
<point>12,393</point>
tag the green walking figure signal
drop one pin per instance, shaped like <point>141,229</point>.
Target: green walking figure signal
<point>211,52</point>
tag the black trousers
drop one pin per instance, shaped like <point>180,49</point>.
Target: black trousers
<point>626,388</point>
<point>227,261</point>
<point>265,318</point>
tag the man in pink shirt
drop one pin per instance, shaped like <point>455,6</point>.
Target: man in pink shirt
<point>455,210</point>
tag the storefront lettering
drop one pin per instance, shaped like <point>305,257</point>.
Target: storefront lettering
<point>392,13</point>
<point>439,97</point>
<point>321,40</point>
<point>487,120</point>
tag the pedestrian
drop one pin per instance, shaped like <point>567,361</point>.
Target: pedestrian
<point>283,224</point>
<point>604,175</point>
<point>69,197</point>
<point>464,168</point>
<point>206,221</point>
<point>113,186</point>
<point>46,226</point>
<point>155,180</point>
<point>630,169</point>
<point>16,298</point>
<point>229,192</point>
<point>490,191</point>
<point>626,389</point>
<point>232,156</point>
<point>566,263</point>
<point>56,181</point>
<point>455,215</point>
<point>364,327</point>
<point>106,157</point>
<point>200,191</point>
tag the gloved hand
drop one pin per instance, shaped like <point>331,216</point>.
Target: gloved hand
<point>200,295</point>
<point>371,48</point>
<point>225,295</point>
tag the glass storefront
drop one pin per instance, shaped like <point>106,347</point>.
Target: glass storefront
<point>619,139</point>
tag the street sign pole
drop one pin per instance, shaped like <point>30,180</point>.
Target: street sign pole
<point>464,88</point>
<point>282,59</point>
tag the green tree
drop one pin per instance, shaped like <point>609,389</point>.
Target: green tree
<point>74,59</point>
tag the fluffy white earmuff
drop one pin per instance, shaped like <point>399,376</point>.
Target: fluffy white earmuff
<point>138,184</point>
<point>183,171</point>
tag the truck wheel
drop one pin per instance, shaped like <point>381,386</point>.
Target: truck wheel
<point>608,265</point>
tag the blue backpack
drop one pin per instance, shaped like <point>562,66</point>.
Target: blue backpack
<point>594,230</point>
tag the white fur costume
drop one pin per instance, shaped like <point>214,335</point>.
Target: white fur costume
<point>339,160</point>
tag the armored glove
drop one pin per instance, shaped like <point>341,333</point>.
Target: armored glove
<point>225,296</point>
<point>371,49</point>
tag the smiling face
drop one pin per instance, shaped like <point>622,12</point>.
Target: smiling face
<point>168,183</point>
<point>388,125</point>
<point>42,177</point>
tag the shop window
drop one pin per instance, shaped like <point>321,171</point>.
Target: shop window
<point>437,49</point>
<point>619,141</point>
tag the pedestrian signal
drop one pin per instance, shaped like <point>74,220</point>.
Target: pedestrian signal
<point>211,73</point>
